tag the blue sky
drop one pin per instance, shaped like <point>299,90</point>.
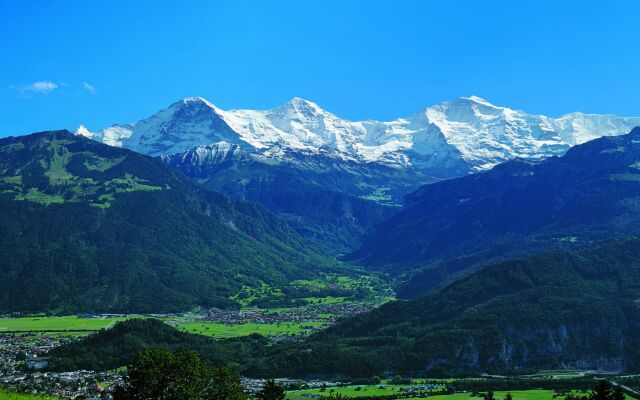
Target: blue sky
<point>63,63</point>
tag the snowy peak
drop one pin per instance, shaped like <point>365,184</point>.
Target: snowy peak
<point>300,105</point>
<point>83,131</point>
<point>472,102</point>
<point>486,134</point>
<point>197,103</point>
<point>297,110</point>
<point>194,106</point>
<point>467,131</point>
<point>297,113</point>
<point>183,125</point>
<point>478,100</point>
<point>195,99</point>
<point>465,109</point>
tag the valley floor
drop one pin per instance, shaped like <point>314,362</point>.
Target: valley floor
<point>25,341</point>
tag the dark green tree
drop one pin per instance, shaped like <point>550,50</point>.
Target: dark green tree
<point>225,385</point>
<point>601,391</point>
<point>618,393</point>
<point>508,396</point>
<point>271,391</point>
<point>573,396</point>
<point>160,374</point>
<point>489,396</point>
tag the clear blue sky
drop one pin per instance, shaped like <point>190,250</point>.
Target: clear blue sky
<point>63,63</point>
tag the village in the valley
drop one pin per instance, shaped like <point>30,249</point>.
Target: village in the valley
<point>24,362</point>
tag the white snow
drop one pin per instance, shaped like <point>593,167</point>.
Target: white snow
<point>469,128</point>
<point>83,131</point>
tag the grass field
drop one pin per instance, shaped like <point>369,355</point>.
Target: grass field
<point>325,300</point>
<point>350,391</point>
<point>52,324</point>
<point>6,395</point>
<point>73,325</point>
<point>538,394</point>
<point>220,331</point>
<point>378,290</point>
<point>379,391</point>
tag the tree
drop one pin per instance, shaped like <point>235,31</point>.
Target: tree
<point>489,396</point>
<point>225,385</point>
<point>508,396</point>
<point>271,391</point>
<point>618,393</point>
<point>601,391</point>
<point>147,376</point>
<point>572,396</point>
<point>163,375</point>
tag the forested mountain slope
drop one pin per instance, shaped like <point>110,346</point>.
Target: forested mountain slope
<point>576,309</point>
<point>323,198</point>
<point>89,227</point>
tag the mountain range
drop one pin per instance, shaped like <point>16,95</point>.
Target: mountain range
<point>333,179</point>
<point>528,264</point>
<point>447,138</point>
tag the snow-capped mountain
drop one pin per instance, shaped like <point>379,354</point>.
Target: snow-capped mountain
<point>332,178</point>
<point>467,131</point>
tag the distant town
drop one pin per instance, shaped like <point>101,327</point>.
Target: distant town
<point>24,362</point>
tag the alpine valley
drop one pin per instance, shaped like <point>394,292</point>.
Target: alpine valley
<point>463,239</point>
<point>388,235</point>
<point>548,280</point>
<point>333,179</point>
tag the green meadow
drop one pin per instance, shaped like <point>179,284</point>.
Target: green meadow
<point>73,325</point>
<point>537,394</point>
<point>221,331</point>
<point>6,395</point>
<point>53,324</point>
<point>355,391</point>
<point>388,390</point>
<point>325,300</point>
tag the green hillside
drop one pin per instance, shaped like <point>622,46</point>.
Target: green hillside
<point>89,227</point>
<point>563,309</point>
<point>117,346</point>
